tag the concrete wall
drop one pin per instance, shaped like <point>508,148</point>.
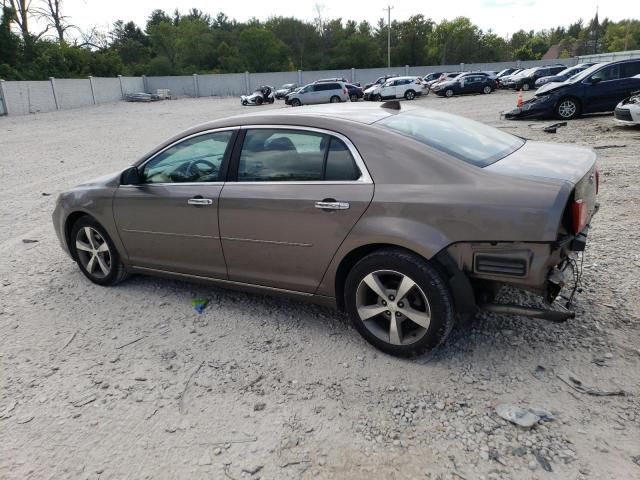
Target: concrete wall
<point>73,93</point>
<point>223,85</point>
<point>22,98</point>
<point>181,86</point>
<point>609,57</point>
<point>275,79</point>
<point>132,85</point>
<point>106,90</point>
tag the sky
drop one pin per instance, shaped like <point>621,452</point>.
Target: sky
<point>502,16</point>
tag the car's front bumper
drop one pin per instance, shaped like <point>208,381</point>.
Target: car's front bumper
<point>625,115</point>
<point>537,107</point>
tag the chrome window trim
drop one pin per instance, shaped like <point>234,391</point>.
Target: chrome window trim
<point>365,176</point>
<point>184,184</point>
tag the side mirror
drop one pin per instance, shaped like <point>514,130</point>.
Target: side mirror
<point>131,176</point>
<point>593,81</point>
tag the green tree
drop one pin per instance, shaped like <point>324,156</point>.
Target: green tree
<point>261,50</point>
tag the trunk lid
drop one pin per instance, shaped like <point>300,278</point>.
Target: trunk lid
<point>559,162</point>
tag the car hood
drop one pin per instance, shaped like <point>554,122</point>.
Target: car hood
<point>109,180</point>
<point>548,87</point>
<point>554,161</point>
<point>372,89</point>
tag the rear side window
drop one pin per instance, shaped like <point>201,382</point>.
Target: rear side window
<point>467,140</point>
<point>280,155</point>
<point>630,69</point>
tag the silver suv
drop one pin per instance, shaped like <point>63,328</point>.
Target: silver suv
<point>324,92</point>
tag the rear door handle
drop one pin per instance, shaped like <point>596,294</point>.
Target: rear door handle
<point>200,201</point>
<point>333,205</point>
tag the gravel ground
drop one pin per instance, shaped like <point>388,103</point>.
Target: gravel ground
<point>130,382</point>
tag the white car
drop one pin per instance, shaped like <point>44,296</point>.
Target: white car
<point>400,87</point>
<point>628,110</point>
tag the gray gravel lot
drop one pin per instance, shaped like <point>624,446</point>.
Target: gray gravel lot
<point>130,382</point>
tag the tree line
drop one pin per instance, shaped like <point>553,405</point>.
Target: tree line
<point>196,42</point>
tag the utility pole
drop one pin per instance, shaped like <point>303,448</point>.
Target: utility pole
<point>388,9</point>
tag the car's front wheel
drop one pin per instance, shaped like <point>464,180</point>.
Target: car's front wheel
<point>399,302</point>
<point>295,102</point>
<point>448,93</point>
<point>487,89</point>
<point>334,99</point>
<point>353,97</point>
<point>567,109</point>
<point>526,86</point>
<point>95,253</point>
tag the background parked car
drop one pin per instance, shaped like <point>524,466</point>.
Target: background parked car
<point>470,83</point>
<point>429,77</point>
<point>599,88</point>
<point>284,89</point>
<point>379,81</point>
<point>562,75</point>
<point>628,110</point>
<point>355,92</point>
<point>318,92</point>
<point>526,81</point>
<point>401,87</point>
<point>262,94</point>
<point>506,79</point>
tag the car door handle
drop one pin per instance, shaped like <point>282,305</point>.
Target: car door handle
<point>332,205</point>
<point>200,201</point>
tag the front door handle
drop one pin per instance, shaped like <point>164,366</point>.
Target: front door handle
<point>200,201</point>
<point>330,204</point>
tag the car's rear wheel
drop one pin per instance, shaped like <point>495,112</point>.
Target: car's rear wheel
<point>334,99</point>
<point>526,86</point>
<point>567,109</point>
<point>409,94</point>
<point>399,302</point>
<point>245,103</point>
<point>95,253</point>
<point>295,102</point>
<point>486,89</point>
<point>259,101</point>
<point>448,93</point>
<point>353,97</point>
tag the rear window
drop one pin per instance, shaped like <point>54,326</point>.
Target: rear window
<point>467,140</point>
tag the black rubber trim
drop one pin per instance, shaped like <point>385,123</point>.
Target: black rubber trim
<point>461,289</point>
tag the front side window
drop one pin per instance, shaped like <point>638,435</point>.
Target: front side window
<point>467,140</point>
<point>611,72</point>
<point>195,159</point>
<point>281,155</point>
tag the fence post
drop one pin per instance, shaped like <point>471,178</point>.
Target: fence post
<point>406,70</point>
<point>462,67</point>
<point>517,63</point>
<point>353,75</point>
<point>3,98</point>
<point>121,89</point>
<point>93,93</point>
<point>196,87</point>
<point>246,83</point>
<point>53,90</point>
<point>299,77</point>
<point>144,84</point>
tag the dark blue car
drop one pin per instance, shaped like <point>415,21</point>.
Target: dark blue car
<point>599,88</point>
<point>565,74</point>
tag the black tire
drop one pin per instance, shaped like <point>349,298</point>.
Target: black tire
<point>426,277</point>
<point>377,97</point>
<point>295,102</point>
<point>245,103</point>
<point>409,95</point>
<point>448,93</point>
<point>353,98</point>
<point>487,89</point>
<point>335,99</point>
<point>526,86</point>
<point>567,108</point>
<point>117,272</point>
<point>259,101</point>
<point>271,100</point>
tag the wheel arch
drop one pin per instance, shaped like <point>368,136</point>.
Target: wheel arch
<point>458,283</point>
<point>69,222</point>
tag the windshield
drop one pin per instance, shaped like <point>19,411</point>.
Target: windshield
<point>470,141</point>
<point>585,73</point>
<point>288,85</point>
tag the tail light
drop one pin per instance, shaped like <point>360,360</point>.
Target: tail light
<point>597,180</point>
<point>579,215</point>
<point>344,91</point>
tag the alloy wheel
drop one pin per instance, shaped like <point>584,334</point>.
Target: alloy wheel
<point>410,95</point>
<point>567,109</point>
<point>487,89</point>
<point>525,87</point>
<point>93,252</point>
<point>393,307</point>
